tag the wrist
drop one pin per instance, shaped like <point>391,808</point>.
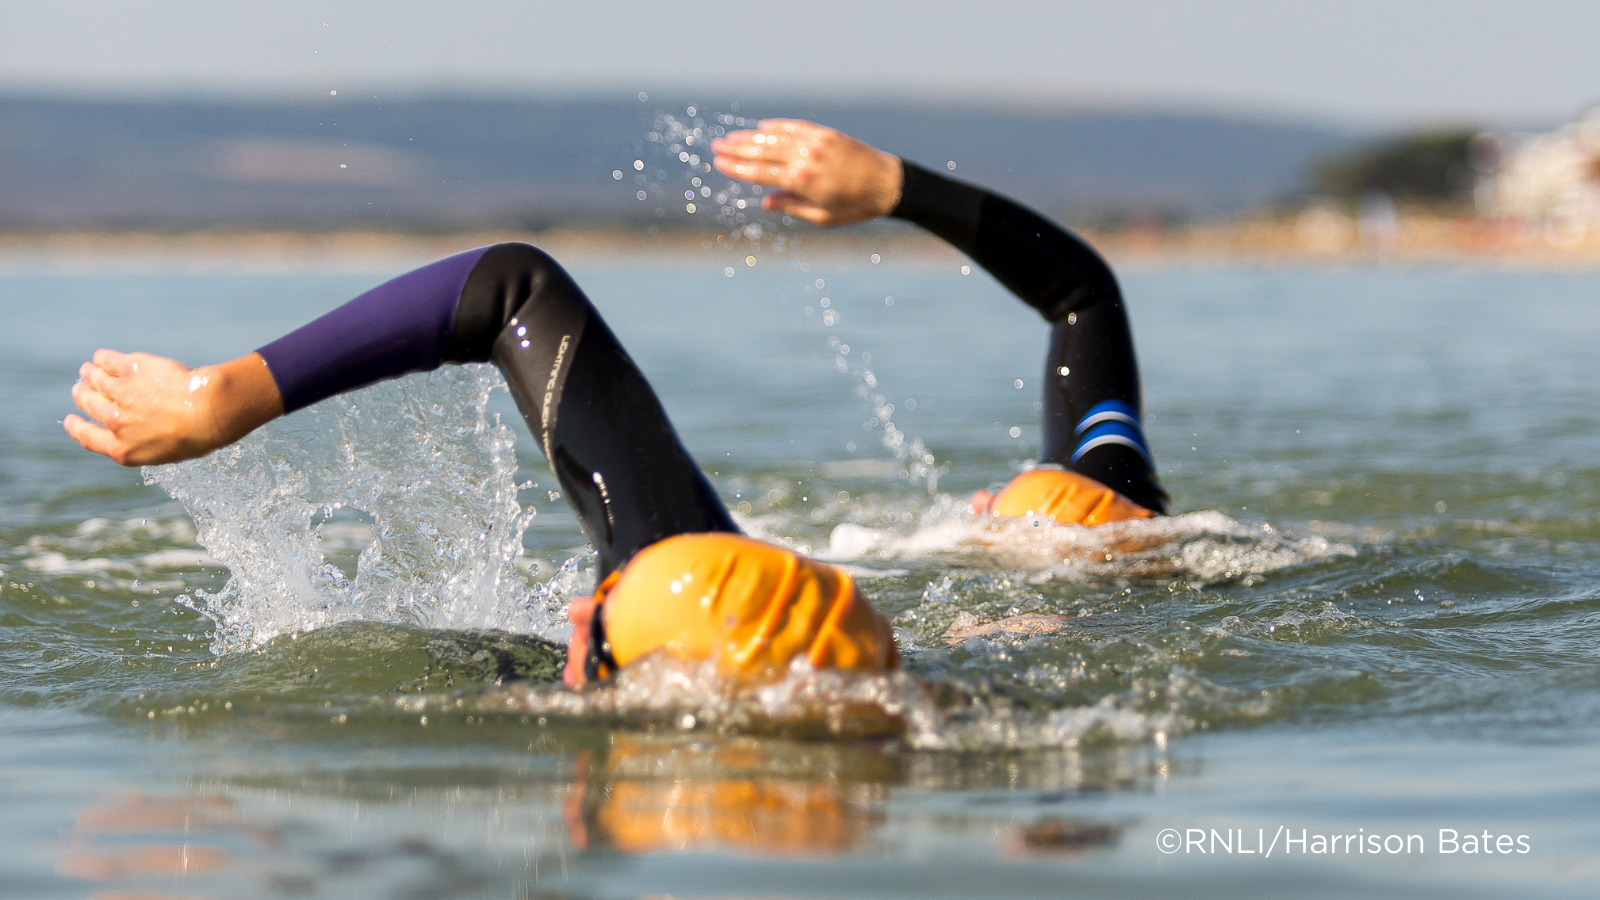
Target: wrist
<point>891,183</point>
<point>239,396</point>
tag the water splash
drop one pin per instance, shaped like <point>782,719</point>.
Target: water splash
<point>919,465</point>
<point>675,171</point>
<point>431,467</point>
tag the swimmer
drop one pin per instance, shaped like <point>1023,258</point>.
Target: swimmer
<point>1095,466</point>
<point>675,574</point>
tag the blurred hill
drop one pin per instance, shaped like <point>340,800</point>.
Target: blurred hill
<point>444,164</point>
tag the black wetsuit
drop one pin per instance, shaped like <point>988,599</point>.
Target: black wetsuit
<point>1093,421</point>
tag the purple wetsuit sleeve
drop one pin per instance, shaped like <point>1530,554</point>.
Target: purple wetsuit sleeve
<point>398,327</point>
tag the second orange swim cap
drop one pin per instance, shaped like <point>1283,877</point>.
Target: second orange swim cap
<point>1066,497</point>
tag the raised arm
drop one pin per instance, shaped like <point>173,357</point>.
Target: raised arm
<point>152,410</point>
<point>1093,419</point>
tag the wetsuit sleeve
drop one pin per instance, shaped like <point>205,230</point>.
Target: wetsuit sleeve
<point>1093,413</point>
<point>398,327</point>
<point>1049,268</point>
<point>599,424</point>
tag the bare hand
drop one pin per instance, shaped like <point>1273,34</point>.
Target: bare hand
<point>580,613</point>
<point>825,177</point>
<point>152,410</point>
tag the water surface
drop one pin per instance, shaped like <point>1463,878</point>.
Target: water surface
<point>1374,614</point>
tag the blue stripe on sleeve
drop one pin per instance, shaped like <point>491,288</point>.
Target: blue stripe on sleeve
<point>1111,431</point>
<point>1109,411</point>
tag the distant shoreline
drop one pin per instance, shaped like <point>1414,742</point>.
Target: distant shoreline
<point>1266,240</point>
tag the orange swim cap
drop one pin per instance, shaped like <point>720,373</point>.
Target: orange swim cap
<point>750,606</point>
<point>1066,497</point>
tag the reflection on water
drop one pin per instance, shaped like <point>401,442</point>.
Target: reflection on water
<point>647,794</point>
<point>99,849</point>
<point>521,828</point>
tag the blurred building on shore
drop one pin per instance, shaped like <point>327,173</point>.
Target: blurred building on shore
<point>1551,180</point>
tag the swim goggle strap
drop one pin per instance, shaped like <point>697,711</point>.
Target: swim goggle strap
<point>598,663</point>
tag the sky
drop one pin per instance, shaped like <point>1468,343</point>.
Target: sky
<point>1369,62</point>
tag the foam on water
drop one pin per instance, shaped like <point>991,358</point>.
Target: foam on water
<point>1200,546</point>
<point>430,466</point>
<point>807,702</point>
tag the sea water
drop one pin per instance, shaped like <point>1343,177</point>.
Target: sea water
<point>321,663</point>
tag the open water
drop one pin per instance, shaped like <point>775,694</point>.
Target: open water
<point>314,665</point>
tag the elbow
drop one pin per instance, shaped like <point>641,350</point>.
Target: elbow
<point>504,278</point>
<point>1082,295</point>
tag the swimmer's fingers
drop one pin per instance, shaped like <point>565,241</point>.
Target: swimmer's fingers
<point>580,612</point>
<point>97,405</point>
<point>794,129</point>
<point>113,362</point>
<point>779,142</point>
<point>753,146</point>
<point>764,173</point>
<point>791,204</point>
<point>99,379</point>
<point>981,502</point>
<point>95,439</point>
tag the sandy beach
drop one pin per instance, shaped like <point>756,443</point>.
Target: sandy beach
<point>1314,237</point>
